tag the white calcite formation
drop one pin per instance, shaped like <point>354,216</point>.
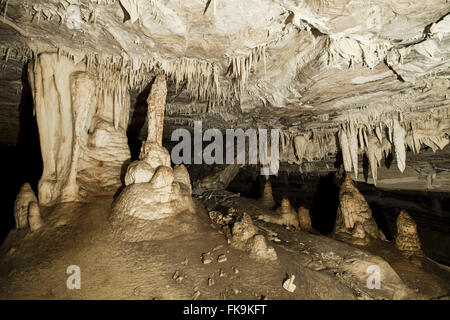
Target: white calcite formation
<point>354,221</point>
<point>407,239</point>
<point>21,206</point>
<point>154,191</point>
<point>82,130</point>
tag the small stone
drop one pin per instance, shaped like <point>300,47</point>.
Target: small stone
<point>222,274</point>
<point>235,270</point>
<point>236,291</point>
<point>196,295</point>
<point>222,258</point>
<point>289,284</point>
<point>185,262</point>
<point>210,282</point>
<point>175,275</point>
<point>206,258</point>
<point>179,279</point>
<point>220,246</point>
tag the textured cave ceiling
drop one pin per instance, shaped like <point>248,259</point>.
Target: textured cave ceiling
<point>302,66</point>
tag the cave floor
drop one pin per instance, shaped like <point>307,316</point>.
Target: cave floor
<point>33,265</point>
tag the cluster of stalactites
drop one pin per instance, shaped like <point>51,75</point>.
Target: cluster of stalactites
<point>375,139</point>
<point>241,66</point>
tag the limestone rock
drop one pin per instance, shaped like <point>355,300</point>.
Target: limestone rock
<point>354,221</point>
<point>21,206</point>
<point>407,239</point>
<point>34,217</point>
<point>304,219</point>
<point>242,230</point>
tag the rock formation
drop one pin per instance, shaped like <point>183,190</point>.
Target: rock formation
<point>267,198</point>
<point>354,221</point>
<point>154,191</point>
<point>22,204</point>
<point>245,237</point>
<point>284,215</point>
<point>407,239</point>
<point>82,130</point>
<point>304,219</point>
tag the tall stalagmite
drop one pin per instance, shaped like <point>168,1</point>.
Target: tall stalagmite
<point>156,196</point>
<point>407,239</point>
<point>354,221</point>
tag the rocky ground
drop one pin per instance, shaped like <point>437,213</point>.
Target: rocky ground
<point>33,265</point>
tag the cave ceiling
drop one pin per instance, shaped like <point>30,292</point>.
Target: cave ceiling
<point>301,66</point>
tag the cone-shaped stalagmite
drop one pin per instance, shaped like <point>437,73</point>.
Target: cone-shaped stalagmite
<point>23,200</point>
<point>267,198</point>
<point>354,221</point>
<point>407,239</point>
<point>304,219</point>
<point>288,215</point>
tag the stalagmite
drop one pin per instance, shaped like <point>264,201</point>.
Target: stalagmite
<point>407,239</point>
<point>267,198</point>
<point>245,237</point>
<point>156,106</point>
<point>156,196</point>
<point>304,219</point>
<point>22,204</point>
<point>284,215</point>
<point>34,217</point>
<point>354,221</point>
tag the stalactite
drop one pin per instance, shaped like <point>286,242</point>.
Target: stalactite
<point>353,147</point>
<point>345,148</point>
<point>399,144</point>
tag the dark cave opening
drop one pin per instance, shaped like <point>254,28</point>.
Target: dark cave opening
<point>23,160</point>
